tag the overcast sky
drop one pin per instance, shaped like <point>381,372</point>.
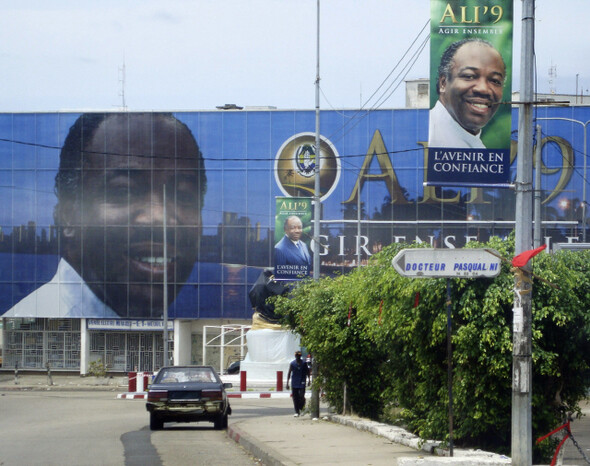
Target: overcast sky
<point>197,54</point>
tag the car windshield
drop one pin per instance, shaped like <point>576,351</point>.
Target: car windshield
<point>187,374</point>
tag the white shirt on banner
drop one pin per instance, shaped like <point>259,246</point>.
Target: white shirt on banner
<point>66,295</point>
<point>444,131</point>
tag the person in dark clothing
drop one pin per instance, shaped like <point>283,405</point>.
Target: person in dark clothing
<point>298,375</point>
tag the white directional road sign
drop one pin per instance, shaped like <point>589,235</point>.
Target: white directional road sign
<point>447,263</point>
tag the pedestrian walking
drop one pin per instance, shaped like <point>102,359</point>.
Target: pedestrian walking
<point>299,375</point>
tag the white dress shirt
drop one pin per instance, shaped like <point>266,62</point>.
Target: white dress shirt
<point>444,131</point>
<point>66,295</point>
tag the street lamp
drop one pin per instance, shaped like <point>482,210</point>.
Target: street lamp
<point>584,179</point>
<point>315,391</point>
<point>564,204</point>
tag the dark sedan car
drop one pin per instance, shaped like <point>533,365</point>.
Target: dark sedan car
<point>188,394</point>
<point>234,367</point>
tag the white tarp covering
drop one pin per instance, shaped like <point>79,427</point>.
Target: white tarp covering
<point>269,351</point>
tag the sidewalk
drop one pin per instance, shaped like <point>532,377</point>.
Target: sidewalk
<point>336,439</point>
<point>332,439</point>
<point>344,440</point>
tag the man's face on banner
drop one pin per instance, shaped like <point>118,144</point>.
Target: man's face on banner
<point>120,240</point>
<point>294,228</point>
<point>474,88</point>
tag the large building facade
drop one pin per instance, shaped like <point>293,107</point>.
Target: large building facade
<point>375,160</point>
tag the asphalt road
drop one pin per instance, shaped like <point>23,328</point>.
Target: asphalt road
<point>95,428</point>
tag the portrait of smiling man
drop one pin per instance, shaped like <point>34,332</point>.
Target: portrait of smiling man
<point>470,84</point>
<point>110,215</point>
<point>290,250</point>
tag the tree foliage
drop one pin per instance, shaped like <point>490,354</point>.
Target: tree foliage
<point>394,353</point>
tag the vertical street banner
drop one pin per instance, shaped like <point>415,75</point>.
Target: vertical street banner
<point>292,252</point>
<point>470,90</point>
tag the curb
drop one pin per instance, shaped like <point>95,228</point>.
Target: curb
<point>132,396</point>
<point>266,454</point>
<point>259,395</point>
<point>455,460</point>
<point>431,447</point>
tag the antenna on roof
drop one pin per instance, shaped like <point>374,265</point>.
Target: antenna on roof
<point>552,76</point>
<point>122,84</point>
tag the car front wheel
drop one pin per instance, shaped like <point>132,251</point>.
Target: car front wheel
<point>155,422</point>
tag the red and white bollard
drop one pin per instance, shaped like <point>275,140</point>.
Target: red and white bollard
<point>132,382</point>
<point>141,381</point>
<point>243,381</point>
<point>138,381</point>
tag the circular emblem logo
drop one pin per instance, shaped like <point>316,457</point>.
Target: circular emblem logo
<point>305,155</point>
<point>295,165</point>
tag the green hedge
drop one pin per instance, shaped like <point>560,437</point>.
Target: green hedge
<point>393,356</point>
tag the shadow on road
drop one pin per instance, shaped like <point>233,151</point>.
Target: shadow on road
<point>139,450</point>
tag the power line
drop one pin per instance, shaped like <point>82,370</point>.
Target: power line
<point>399,63</point>
<point>212,159</point>
<point>383,98</point>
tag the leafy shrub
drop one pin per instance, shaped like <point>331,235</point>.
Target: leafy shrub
<point>393,354</point>
<point>97,369</point>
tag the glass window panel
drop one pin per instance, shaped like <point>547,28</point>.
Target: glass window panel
<point>24,140</point>
<point>211,246</point>
<point>6,288</point>
<point>45,267</point>
<point>47,141</point>
<point>235,195</point>
<point>7,190</point>
<point>236,303</point>
<point>210,301</point>
<point>45,197</point>
<point>186,304</point>
<point>24,196</point>
<point>234,242</point>
<point>23,266</point>
<point>213,209</point>
<point>234,140</point>
<point>6,147</point>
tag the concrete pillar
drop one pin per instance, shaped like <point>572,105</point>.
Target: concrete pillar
<point>84,347</point>
<point>2,336</point>
<point>182,342</point>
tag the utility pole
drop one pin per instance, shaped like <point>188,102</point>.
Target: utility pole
<point>166,361</point>
<point>315,392</point>
<point>522,441</point>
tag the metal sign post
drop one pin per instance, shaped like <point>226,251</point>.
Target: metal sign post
<point>450,366</point>
<point>522,436</point>
<point>165,360</point>
<point>315,391</point>
<point>447,263</point>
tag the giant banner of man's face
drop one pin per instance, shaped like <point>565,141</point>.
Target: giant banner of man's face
<point>123,215</point>
<point>470,88</point>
